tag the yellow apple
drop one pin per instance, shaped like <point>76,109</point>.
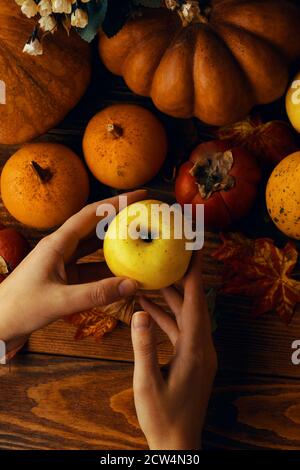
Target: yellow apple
<point>293,103</point>
<point>156,261</point>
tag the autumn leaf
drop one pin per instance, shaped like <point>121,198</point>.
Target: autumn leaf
<point>260,270</point>
<point>270,142</point>
<point>102,320</point>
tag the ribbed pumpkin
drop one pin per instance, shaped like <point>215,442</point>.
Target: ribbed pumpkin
<point>233,55</point>
<point>36,92</point>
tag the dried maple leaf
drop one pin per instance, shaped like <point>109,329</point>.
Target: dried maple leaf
<point>257,268</point>
<point>101,320</point>
<point>269,142</point>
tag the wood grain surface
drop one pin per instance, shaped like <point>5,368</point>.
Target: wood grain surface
<point>51,402</point>
<point>66,394</point>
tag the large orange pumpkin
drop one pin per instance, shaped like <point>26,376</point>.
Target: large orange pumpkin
<point>36,92</point>
<point>233,55</point>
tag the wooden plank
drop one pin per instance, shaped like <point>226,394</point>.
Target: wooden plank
<point>55,403</point>
<point>244,344</point>
<point>50,402</point>
<point>254,413</point>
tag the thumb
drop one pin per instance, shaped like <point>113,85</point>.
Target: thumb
<point>82,297</point>
<point>146,368</point>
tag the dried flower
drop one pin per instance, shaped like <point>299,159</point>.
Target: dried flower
<point>86,16</point>
<point>190,10</point>
<point>45,7</point>
<point>172,4</point>
<point>29,8</point>
<point>33,47</point>
<point>62,6</point>
<point>79,18</point>
<point>48,23</point>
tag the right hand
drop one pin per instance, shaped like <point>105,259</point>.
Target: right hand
<point>171,411</point>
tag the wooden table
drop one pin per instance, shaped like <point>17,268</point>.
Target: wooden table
<point>65,394</point>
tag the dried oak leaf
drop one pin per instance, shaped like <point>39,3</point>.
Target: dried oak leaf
<point>101,320</point>
<point>260,270</point>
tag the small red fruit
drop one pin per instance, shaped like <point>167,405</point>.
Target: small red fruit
<point>13,249</point>
<point>223,178</point>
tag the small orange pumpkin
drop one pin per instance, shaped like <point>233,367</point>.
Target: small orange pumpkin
<point>36,92</point>
<point>124,146</point>
<point>43,184</point>
<point>283,196</point>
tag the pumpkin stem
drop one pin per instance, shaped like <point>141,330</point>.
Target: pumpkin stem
<point>44,174</point>
<point>212,173</point>
<point>115,131</point>
<point>189,11</point>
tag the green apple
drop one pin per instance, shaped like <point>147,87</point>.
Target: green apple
<point>140,246</point>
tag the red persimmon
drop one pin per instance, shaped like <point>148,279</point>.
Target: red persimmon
<point>223,178</point>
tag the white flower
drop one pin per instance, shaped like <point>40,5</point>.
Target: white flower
<point>172,4</point>
<point>79,18</point>
<point>190,10</point>
<point>48,23</point>
<point>45,7</point>
<point>29,8</point>
<point>33,47</point>
<point>62,6</point>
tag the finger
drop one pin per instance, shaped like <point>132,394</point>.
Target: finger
<point>80,297</point>
<point>174,299</point>
<point>146,368</point>
<point>196,318</point>
<point>84,222</point>
<point>163,319</point>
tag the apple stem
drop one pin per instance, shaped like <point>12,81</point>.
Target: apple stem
<point>115,130</point>
<point>44,174</point>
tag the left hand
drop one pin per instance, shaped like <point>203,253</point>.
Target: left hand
<point>48,284</point>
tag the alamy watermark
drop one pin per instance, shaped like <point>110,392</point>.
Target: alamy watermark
<point>158,220</point>
<point>2,92</point>
<point>296,354</point>
<point>296,94</point>
<point>2,352</point>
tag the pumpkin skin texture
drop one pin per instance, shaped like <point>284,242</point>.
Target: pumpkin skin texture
<point>216,69</point>
<point>222,207</point>
<point>43,184</point>
<point>124,146</point>
<point>38,91</point>
<point>283,196</point>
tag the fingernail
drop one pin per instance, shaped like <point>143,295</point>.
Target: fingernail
<point>127,287</point>
<point>141,320</point>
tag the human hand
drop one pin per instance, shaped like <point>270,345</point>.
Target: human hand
<point>48,284</point>
<point>171,410</point>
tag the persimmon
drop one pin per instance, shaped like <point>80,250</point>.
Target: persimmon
<point>124,146</point>
<point>43,184</point>
<point>13,249</point>
<point>221,177</point>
